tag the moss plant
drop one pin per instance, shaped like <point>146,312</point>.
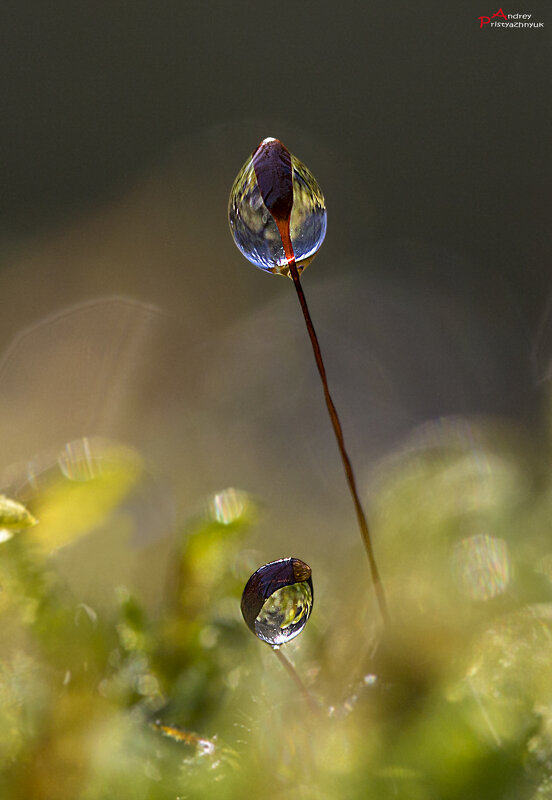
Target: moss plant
<point>278,220</point>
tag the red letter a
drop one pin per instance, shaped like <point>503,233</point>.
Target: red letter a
<point>500,13</point>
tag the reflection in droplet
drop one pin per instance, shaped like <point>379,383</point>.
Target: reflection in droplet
<point>228,506</point>
<point>253,227</point>
<point>284,614</point>
<point>277,600</point>
<point>481,565</point>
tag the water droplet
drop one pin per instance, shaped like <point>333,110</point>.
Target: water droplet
<point>277,600</point>
<point>274,185</point>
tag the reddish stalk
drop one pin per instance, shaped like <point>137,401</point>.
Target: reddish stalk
<point>272,163</point>
<point>283,227</point>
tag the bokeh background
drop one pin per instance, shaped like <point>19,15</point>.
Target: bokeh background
<point>123,128</point>
<point>128,316</point>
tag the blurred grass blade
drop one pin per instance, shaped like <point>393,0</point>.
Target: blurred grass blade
<point>14,516</point>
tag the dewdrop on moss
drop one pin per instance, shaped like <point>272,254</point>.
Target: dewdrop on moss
<point>277,600</point>
<point>272,184</point>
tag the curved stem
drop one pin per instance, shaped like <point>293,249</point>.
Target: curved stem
<point>350,475</point>
<point>283,227</point>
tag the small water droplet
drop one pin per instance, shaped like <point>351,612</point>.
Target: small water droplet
<point>284,614</point>
<point>252,209</point>
<point>277,600</point>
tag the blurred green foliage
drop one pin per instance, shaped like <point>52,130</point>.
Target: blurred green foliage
<point>143,701</point>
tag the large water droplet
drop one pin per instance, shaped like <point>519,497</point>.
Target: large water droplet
<point>277,600</point>
<point>251,209</point>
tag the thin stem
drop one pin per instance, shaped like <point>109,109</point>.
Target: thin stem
<point>283,228</point>
<point>294,675</point>
<point>336,424</point>
<point>273,167</point>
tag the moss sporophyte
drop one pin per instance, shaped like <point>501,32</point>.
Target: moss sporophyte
<point>276,605</point>
<point>277,216</point>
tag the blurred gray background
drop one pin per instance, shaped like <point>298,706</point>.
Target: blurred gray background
<point>126,310</point>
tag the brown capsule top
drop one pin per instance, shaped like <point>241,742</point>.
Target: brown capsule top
<point>274,173</point>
